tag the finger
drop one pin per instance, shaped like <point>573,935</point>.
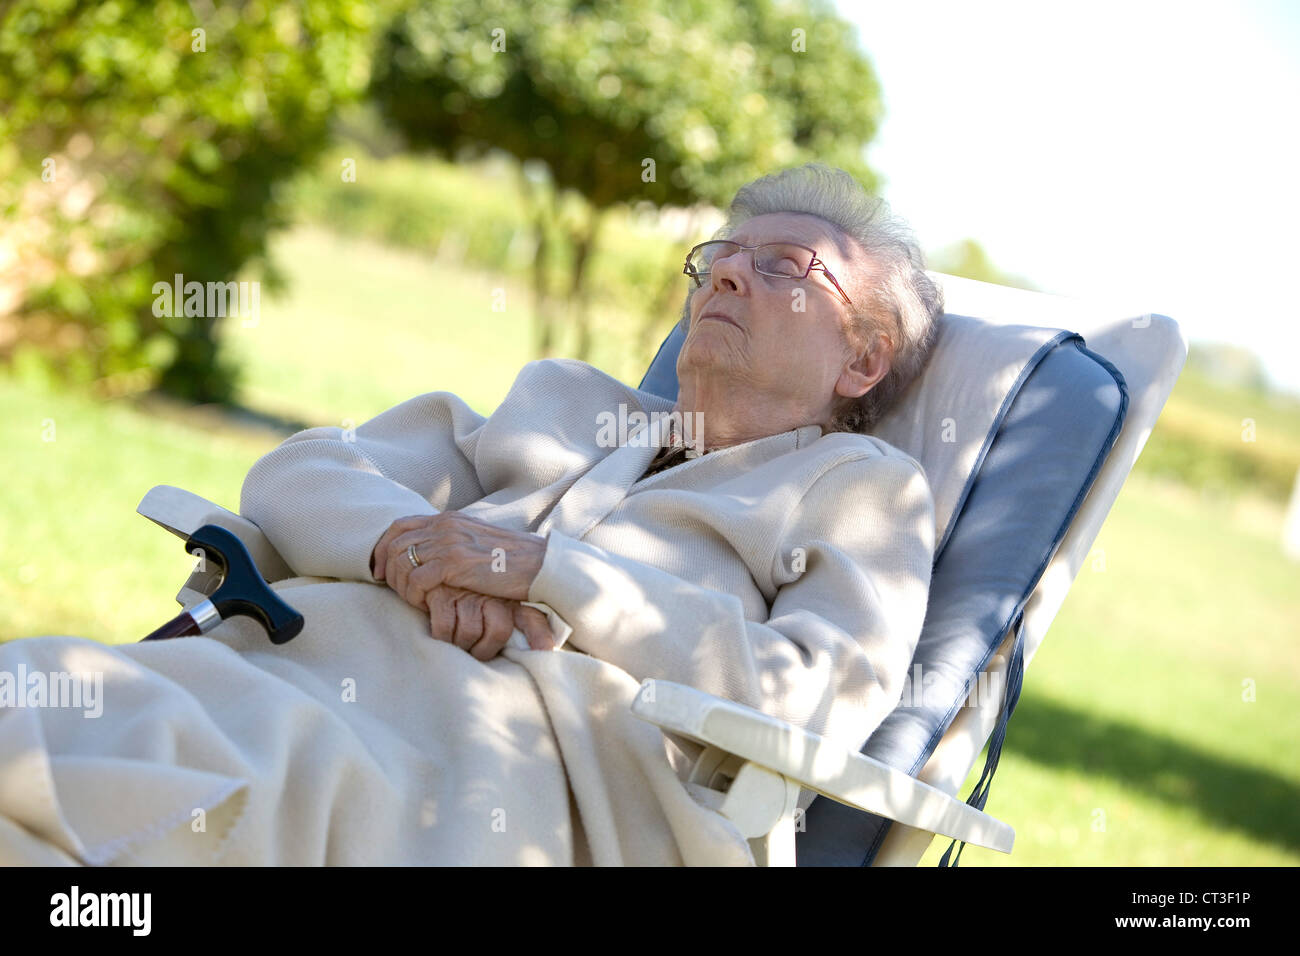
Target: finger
<point>442,614</point>
<point>392,572</point>
<point>535,627</point>
<point>379,554</point>
<point>402,575</point>
<point>469,619</point>
<point>397,528</point>
<point>498,625</point>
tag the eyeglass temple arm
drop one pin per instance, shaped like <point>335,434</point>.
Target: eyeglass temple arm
<point>819,265</point>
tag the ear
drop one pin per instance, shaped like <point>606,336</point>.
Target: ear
<point>864,369</point>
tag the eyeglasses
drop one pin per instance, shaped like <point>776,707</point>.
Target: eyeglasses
<point>784,260</point>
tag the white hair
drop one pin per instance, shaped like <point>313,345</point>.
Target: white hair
<point>903,303</point>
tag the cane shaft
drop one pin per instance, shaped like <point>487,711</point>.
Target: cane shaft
<point>182,625</point>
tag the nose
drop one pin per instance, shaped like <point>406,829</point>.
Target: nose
<point>729,272</point>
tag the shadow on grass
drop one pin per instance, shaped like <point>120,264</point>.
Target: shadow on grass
<point>1228,794</point>
<point>214,417</point>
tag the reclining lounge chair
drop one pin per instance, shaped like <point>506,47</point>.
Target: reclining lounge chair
<point>1027,420</point>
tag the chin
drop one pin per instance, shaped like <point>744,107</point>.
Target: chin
<point>699,352</point>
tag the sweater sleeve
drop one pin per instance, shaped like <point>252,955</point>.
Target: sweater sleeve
<point>853,568</point>
<point>325,496</point>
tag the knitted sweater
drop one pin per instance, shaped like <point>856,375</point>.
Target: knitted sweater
<point>789,573</point>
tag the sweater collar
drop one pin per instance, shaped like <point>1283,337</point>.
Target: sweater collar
<point>744,455</point>
<point>620,473</point>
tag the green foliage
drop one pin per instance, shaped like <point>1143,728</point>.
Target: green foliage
<point>713,93</point>
<point>968,259</point>
<point>1231,365</point>
<point>164,130</point>
<point>670,102</point>
<point>1226,439</point>
<point>422,202</point>
<point>141,141</point>
<point>411,202</point>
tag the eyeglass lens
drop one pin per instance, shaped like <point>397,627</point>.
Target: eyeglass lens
<point>773,258</point>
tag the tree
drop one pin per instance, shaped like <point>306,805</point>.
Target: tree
<point>145,140</point>
<point>968,259</point>
<point>668,101</point>
<point>1228,364</point>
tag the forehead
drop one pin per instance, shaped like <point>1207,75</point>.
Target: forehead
<point>803,228</point>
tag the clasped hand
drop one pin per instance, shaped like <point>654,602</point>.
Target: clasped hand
<point>471,579</point>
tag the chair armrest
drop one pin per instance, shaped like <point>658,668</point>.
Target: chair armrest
<point>182,512</point>
<point>817,764</point>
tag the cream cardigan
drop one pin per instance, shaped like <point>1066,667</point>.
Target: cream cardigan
<point>789,573</point>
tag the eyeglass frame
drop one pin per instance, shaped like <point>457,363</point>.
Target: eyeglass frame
<point>813,263</point>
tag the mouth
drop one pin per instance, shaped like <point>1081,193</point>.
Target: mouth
<point>721,318</point>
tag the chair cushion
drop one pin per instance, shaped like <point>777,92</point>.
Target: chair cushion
<point>947,419</point>
<point>1011,424</point>
<point>1058,429</point>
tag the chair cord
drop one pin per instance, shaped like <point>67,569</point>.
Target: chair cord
<point>1015,671</point>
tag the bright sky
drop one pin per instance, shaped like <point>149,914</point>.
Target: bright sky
<point>1142,152</point>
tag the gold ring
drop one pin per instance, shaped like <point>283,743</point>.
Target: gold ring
<point>410,553</point>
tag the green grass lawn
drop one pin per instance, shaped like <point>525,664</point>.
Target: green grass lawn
<point>1132,743</point>
<point>350,343</point>
<point>347,346</point>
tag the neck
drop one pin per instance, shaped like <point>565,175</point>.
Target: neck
<point>729,416</point>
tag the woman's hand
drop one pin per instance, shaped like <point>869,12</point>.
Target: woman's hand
<point>458,552</point>
<point>481,625</point>
<point>473,620</point>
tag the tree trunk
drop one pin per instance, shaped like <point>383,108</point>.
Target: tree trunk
<point>543,324</point>
<point>584,244</point>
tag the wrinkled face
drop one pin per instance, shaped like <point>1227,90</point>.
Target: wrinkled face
<point>745,328</point>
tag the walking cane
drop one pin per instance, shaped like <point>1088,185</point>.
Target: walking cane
<point>242,591</point>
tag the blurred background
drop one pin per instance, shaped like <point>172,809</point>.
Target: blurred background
<point>406,196</point>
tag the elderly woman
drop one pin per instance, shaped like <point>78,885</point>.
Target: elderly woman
<point>763,548</point>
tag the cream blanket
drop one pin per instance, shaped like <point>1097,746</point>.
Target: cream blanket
<point>789,573</point>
